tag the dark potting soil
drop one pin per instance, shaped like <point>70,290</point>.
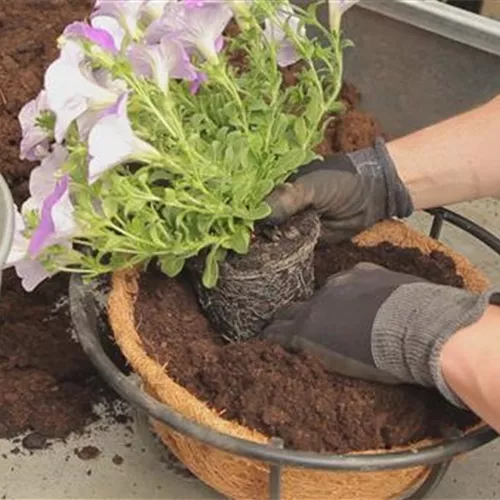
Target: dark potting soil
<point>436,267</point>
<point>48,387</point>
<point>291,395</point>
<point>47,383</point>
<point>87,452</point>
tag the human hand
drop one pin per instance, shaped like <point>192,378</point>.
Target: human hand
<point>351,192</point>
<point>376,324</point>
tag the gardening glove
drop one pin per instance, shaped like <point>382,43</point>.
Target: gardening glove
<point>379,325</point>
<point>351,192</point>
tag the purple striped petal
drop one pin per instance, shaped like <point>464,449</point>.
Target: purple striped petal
<point>46,228</point>
<point>96,35</point>
<point>195,24</point>
<point>165,60</point>
<point>197,82</point>
<point>274,33</point>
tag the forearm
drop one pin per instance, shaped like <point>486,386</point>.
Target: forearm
<point>452,161</point>
<point>470,362</point>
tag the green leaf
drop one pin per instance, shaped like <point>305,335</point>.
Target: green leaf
<point>256,143</point>
<point>109,207</point>
<point>169,196</point>
<point>229,156</point>
<point>211,272</point>
<point>239,241</point>
<point>347,43</point>
<point>314,109</point>
<point>300,129</point>
<point>312,9</point>
<point>46,120</point>
<point>290,161</point>
<point>282,146</point>
<point>261,212</point>
<point>337,107</point>
<point>172,265</point>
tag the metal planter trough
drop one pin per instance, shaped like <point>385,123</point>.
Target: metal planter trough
<point>6,223</point>
<point>415,63</point>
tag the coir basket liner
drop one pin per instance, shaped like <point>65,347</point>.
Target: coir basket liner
<point>241,478</point>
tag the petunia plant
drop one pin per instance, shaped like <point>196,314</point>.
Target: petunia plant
<point>162,127</point>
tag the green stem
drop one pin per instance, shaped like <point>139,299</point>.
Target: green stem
<point>226,82</point>
<point>333,97</point>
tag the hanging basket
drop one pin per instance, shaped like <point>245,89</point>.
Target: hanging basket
<point>242,478</point>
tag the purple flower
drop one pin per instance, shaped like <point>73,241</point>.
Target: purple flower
<point>126,12</point>
<point>98,36</point>
<point>31,272</point>
<point>57,222</point>
<point>195,24</point>
<point>72,88</point>
<point>50,199</point>
<point>35,140</point>
<point>113,142</point>
<point>162,61</point>
<point>112,26</point>
<point>44,177</point>
<point>275,33</point>
<point>197,82</point>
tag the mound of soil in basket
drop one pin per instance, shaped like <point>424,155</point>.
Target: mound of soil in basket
<point>47,384</point>
<point>291,395</point>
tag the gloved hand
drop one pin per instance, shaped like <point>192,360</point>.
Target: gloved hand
<point>351,192</point>
<point>376,324</point>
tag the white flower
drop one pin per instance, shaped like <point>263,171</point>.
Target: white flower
<point>274,33</point>
<point>72,88</point>
<point>57,221</point>
<point>113,142</point>
<point>35,140</point>
<point>336,9</point>
<point>31,272</point>
<point>44,177</point>
<point>126,12</point>
<point>165,60</point>
<point>196,24</point>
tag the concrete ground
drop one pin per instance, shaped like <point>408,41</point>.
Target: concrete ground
<point>133,466</point>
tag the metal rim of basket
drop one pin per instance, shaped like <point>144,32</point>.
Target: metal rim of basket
<point>438,455</point>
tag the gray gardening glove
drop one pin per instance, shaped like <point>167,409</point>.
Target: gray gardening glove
<point>351,192</point>
<point>376,324</point>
